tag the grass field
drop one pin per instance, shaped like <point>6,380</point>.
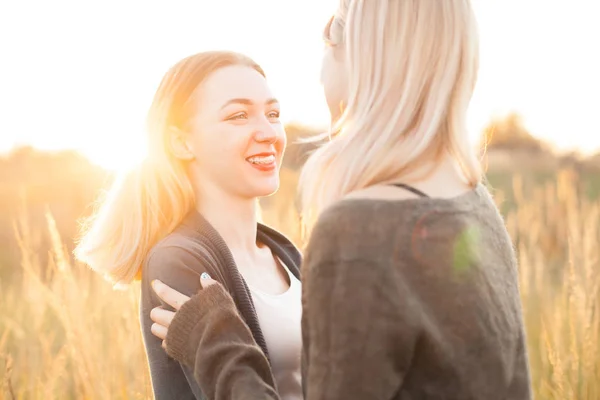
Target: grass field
<point>65,334</point>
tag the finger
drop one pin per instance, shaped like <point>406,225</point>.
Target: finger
<point>164,345</point>
<point>162,316</point>
<point>206,280</point>
<point>169,295</point>
<point>159,331</point>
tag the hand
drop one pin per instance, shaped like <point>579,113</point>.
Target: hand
<point>162,318</point>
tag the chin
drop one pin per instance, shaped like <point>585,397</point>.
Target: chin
<point>266,188</point>
<point>335,111</point>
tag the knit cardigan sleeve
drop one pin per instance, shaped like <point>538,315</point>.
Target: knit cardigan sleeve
<point>209,336</point>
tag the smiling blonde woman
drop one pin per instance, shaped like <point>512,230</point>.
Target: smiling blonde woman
<point>216,144</point>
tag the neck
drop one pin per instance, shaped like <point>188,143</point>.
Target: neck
<point>438,178</point>
<point>234,218</point>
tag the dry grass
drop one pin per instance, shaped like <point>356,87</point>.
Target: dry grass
<point>557,235</point>
<point>66,334</point>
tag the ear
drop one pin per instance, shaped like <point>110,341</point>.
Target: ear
<point>179,145</point>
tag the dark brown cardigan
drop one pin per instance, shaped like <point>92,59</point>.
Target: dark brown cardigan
<point>178,261</point>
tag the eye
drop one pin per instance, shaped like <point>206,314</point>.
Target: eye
<point>238,116</point>
<point>273,115</point>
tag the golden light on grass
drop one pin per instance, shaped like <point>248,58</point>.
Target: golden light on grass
<point>67,334</point>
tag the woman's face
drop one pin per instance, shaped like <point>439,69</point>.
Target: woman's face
<point>333,71</point>
<point>237,139</point>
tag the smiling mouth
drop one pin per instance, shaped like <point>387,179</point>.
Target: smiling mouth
<point>261,160</point>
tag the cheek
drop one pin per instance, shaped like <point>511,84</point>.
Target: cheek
<point>216,144</point>
<point>333,78</point>
<point>325,67</point>
<point>282,142</point>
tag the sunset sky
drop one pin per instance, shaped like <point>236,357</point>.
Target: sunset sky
<point>81,74</point>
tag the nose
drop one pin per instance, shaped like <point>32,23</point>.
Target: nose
<point>266,134</point>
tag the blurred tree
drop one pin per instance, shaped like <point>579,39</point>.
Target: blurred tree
<point>34,182</point>
<point>509,133</point>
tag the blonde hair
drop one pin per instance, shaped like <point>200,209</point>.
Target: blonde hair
<point>150,201</point>
<point>411,68</point>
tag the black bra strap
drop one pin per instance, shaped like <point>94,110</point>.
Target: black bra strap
<point>410,189</point>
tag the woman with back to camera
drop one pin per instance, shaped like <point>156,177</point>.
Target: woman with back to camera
<point>410,286</point>
<point>215,146</point>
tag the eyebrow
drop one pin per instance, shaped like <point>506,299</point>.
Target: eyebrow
<point>248,102</point>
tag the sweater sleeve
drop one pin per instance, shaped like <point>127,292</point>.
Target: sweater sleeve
<point>181,270</point>
<point>207,335</point>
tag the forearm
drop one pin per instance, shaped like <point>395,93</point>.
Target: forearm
<point>208,335</point>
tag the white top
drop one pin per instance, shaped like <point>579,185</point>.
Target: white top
<point>279,317</point>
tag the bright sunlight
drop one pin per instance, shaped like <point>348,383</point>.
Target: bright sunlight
<point>89,71</point>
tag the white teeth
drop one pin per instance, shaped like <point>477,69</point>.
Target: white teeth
<point>262,160</point>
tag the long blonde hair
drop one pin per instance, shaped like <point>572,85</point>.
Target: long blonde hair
<point>411,68</point>
<point>149,202</point>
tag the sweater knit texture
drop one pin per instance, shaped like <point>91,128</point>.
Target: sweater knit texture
<point>402,299</point>
<point>413,299</point>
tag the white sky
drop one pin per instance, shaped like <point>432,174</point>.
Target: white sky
<point>81,74</point>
